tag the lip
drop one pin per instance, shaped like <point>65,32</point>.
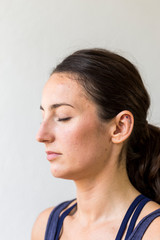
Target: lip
<point>52,155</point>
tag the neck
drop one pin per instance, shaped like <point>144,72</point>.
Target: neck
<point>105,196</point>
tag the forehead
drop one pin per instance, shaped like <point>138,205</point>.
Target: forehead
<point>61,87</point>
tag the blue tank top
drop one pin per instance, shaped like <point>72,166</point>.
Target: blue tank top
<point>55,220</point>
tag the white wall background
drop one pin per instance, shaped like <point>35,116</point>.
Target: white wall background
<point>34,36</point>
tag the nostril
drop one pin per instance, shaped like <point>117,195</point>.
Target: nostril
<point>44,133</point>
<point>39,138</point>
<point>43,138</point>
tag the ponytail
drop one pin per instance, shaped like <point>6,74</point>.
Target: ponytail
<point>143,162</point>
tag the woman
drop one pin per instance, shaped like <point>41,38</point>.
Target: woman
<point>95,132</point>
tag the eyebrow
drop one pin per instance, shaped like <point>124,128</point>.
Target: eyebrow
<point>56,105</point>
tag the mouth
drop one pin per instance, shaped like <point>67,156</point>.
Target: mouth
<point>52,155</point>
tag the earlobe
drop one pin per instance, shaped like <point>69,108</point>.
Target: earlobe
<point>123,126</point>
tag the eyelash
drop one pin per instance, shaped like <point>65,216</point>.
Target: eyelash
<point>64,119</point>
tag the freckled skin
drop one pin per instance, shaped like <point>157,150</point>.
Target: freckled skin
<point>89,154</point>
<point>83,140</point>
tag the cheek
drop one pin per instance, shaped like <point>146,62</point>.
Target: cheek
<point>84,141</point>
<point>74,138</point>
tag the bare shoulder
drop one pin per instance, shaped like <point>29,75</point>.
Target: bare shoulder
<point>39,227</point>
<point>153,231</point>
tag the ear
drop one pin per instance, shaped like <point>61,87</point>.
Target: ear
<point>122,126</point>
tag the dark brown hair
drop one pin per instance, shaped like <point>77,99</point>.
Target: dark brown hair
<point>115,84</point>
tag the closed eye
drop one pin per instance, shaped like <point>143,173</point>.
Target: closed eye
<point>64,119</point>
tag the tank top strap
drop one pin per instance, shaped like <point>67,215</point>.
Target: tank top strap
<point>61,219</point>
<point>142,226</point>
<point>55,221</point>
<point>52,223</point>
<point>128,215</point>
<point>135,216</point>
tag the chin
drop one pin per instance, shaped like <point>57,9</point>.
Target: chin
<point>64,174</point>
<point>61,174</point>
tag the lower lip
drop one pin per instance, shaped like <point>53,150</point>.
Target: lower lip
<point>52,156</point>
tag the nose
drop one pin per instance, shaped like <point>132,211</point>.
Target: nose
<point>45,133</point>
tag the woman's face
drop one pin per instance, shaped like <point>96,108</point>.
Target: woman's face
<point>76,141</point>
